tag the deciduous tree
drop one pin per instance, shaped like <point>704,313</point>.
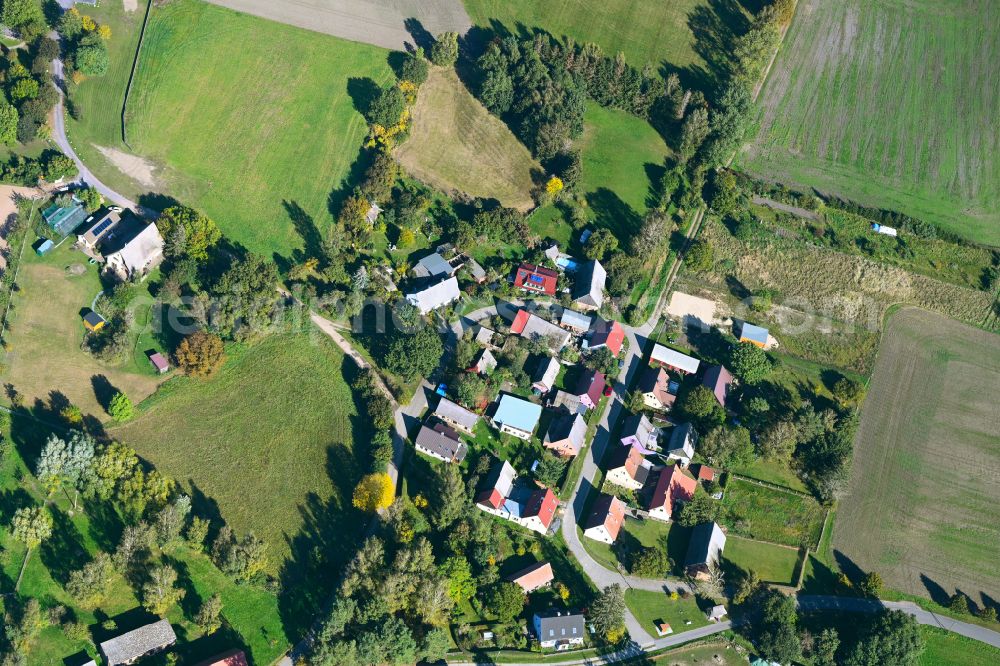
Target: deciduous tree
<point>200,232</point>
<point>200,354</point>
<point>159,593</point>
<point>444,51</point>
<point>373,492</point>
<point>749,362</point>
<point>121,408</point>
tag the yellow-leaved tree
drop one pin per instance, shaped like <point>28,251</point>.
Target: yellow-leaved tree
<point>554,185</point>
<point>373,492</point>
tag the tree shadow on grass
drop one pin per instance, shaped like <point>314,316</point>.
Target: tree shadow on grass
<point>614,214</point>
<point>345,187</point>
<point>655,173</point>
<point>422,38</point>
<point>104,390</point>
<point>305,226</point>
<point>64,551</point>
<point>934,589</point>
<point>363,91</point>
<point>206,508</point>
<point>105,525</point>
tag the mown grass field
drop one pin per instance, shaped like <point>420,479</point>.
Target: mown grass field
<point>246,130</point>
<point>650,608</point>
<point>645,31</point>
<point>47,329</point>
<point>892,104</point>
<point>945,648</point>
<point>921,505</point>
<point>774,564</point>
<point>456,145</point>
<point>768,514</point>
<point>268,440</point>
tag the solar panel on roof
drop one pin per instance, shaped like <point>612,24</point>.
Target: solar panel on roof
<point>102,226</point>
<point>536,279</point>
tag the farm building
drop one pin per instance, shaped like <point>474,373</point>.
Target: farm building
<point>639,433</point>
<point>719,381</point>
<point>158,362</point>
<point>230,658</point>
<point>138,643</point>
<point>605,520</point>
<point>516,416</point>
<point>658,391</point>
<point>545,375</point>
<point>536,279</point>
<point>588,291</point>
<point>672,358</point>
<point>93,321</point>
<point>132,253</point>
<point>575,321</point>
<point>566,435</point>
<point>440,442</point>
<point>434,265</point>
<point>674,486</point>
<point>531,578</point>
<point>704,550</point>
<point>559,630</point>
<point>682,442</point>
<point>485,336</point>
<point>456,416</point>
<point>608,334</point>
<point>755,335</point>
<point>436,296</point>
<point>627,468</point>
<point>533,327</point>
<point>589,388</point>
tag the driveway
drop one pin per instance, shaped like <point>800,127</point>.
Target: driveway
<point>391,24</point>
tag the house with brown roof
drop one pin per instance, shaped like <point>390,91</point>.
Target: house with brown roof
<point>719,381</point>
<point>536,576</point>
<point>589,388</point>
<point>627,468</point>
<point>672,488</point>
<point>658,391</point>
<point>230,658</point>
<point>440,442</point>
<point>606,518</point>
<point>566,435</point>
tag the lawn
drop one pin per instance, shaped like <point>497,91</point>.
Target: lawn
<point>622,160</point>
<point>718,654</point>
<point>891,104</point>
<point>456,145</point>
<point>268,441</point>
<point>243,130</point>
<point>47,330</point>
<point>945,648</point>
<point>768,514</point>
<point>645,31</point>
<point>651,607</point>
<point>921,515</point>
<point>774,564</point>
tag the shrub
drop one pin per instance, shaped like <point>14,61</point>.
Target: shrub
<point>121,408</point>
<point>444,52</point>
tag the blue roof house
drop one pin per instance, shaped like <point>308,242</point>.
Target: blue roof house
<point>516,416</point>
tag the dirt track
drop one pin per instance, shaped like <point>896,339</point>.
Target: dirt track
<point>379,22</point>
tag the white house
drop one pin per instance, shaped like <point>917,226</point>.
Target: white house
<point>436,296</point>
<point>136,257</point>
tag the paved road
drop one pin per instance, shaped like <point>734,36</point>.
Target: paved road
<point>386,23</point>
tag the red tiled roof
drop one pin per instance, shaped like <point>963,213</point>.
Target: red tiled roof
<point>491,497</point>
<point>591,384</point>
<point>674,484</point>
<point>536,279</point>
<point>231,658</point>
<point>628,457</point>
<point>615,517</point>
<point>520,321</point>
<point>533,577</point>
<point>718,379</point>
<point>610,334</point>
<point>542,503</point>
<point>705,473</point>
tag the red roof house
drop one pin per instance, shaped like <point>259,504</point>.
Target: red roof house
<point>590,387</point>
<point>719,381</point>
<point>536,279</point>
<point>673,485</point>
<point>231,658</point>
<point>605,519</point>
<point>705,473</point>
<point>608,334</point>
<point>539,510</point>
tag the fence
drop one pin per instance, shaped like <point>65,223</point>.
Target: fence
<point>131,76</point>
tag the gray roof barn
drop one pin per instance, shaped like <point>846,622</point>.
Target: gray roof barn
<point>575,320</point>
<point>435,296</point>
<point>589,287</point>
<point>441,441</point>
<point>138,643</point>
<point>433,265</point>
<point>705,547</point>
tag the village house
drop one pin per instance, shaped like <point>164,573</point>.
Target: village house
<point>640,433</point>
<point>231,658</point>
<point>516,416</point>
<point>719,381</point>
<point>435,266</point>
<point>673,359</point>
<point>574,321</point>
<point>589,388</point>
<point>144,641</point>
<point>529,507</point>
<point>534,327</point>
<point>545,375</point>
<point>682,442</point>
<point>704,551</point>
<point>559,630</point>
<point>436,296</point>
<point>673,487</point>
<point>534,577</point>
<point>658,391</point>
<point>755,335</point>
<point>132,254</point>
<point>716,613</point>
<point>484,364</point>
<point>627,468</point>
<point>588,289</point>
<point>441,442</point>
<point>608,334</point>
<point>456,416</point>
<point>98,227</point>
<point>499,483</point>
<point>485,337</point>
<point>567,402</point>
<point>605,520</point>
<point>566,435</point>
<point>536,279</point>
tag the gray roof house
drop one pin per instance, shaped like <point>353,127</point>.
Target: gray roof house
<point>456,416</point>
<point>435,296</point>
<point>566,435</point>
<point>545,375</point>
<point>484,336</point>
<point>434,265</point>
<point>559,630</point>
<point>575,321</point>
<point>682,443</point>
<point>704,550</point>
<point>484,363</point>
<point>137,256</point>
<point>588,292</point>
<point>571,403</point>
<point>441,442</point>
<point>133,645</point>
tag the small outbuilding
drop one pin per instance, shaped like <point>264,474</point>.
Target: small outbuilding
<point>159,363</point>
<point>93,321</point>
<point>44,247</point>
